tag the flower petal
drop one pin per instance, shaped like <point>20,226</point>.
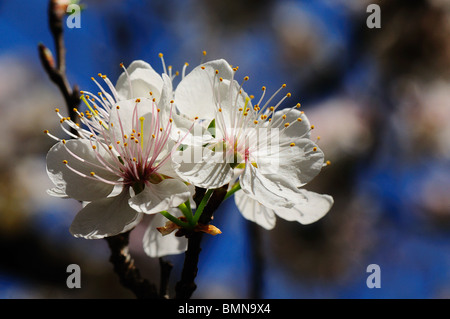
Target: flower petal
<point>271,191</point>
<point>299,127</point>
<point>72,184</point>
<point>157,245</point>
<point>310,210</point>
<point>254,211</point>
<point>202,167</point>
<point>194,95</point>
<point>155,198</point>
<point>299,163</point>
<point>105,217</point>
<point>143,81</point>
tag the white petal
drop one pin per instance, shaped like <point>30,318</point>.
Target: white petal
<point>157,245</point>
<point>72,184</point>
<point>299,163</point>
<point>202,167</point>
<point>310,210</point>
<point>296,128</point>
<point>254,211</point>
<point>155,198</point>
<point>143,81</point>
<point>270,190</point>
<point>105,217</point>
<point>57,192</point>
<point>194,95</point>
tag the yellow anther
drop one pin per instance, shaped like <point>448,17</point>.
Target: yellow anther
<point>110,147</point>
<point>125,136</point>
<point>246,78</point>
<point>318,138</point>
<point>263,88</point>
<point>138,100</point>
<point>220,79</point>
<point>286,125</point>
<point>284,116</point>
<point>160,55</point>
<point>288,95</point>
<point>204,52</point>
<point>75,109</point>
<point>299,119</point>
<point>151,93</point>
<point>118,142</point>
<point>328,162</point>
<point>64,162</point>
<point>134,159</point>
<point>283,86</point>
<point>196,118</point>
<point>202,67</point>
<point>255,122</point>
<point>245,114</point>
<point>63,141</point>
<point>158,110</point>
<point>160,129</point>
<point>240,109</point>
<point>125,144</point>
<point>217,71</point>
<point>121,65</point>
<point>45,131</point>
<point>312,127</point>
<point>154,100</point>
<point>170,120</point>
<point>298,105</point>
<point>186,64</point>
<point>57,110</point>
<point>220,110</point>
<point>94,147</point>
<point>292,144</point>
<point>103,76</point>
<point>99,74</point>
<point>171,101</point>
<point>271,108</point>
<point>314,149</point>
<point>153,135</point>
<point>118,107</point>
<point>92,173</point>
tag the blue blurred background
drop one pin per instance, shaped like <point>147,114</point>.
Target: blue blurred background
<point>379,99</point>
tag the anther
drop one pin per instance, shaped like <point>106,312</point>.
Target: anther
<point>65,162</point>
<point>292,144</point>
<point>286,125</point>
<point>246,78</point>
<point>312,127</point>
<point>92,173</point>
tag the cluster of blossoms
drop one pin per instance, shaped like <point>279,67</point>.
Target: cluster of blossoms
<point>143,147</point>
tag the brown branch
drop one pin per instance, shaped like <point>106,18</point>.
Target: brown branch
<point>166,269</point>
<point>124,267</point>
<point>57,71</point>
<point>186,286</point>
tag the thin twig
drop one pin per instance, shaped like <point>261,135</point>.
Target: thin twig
<point>186,286</point>
<point>57,71</point>
<point>166,269</point>
<point>124,267</point>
